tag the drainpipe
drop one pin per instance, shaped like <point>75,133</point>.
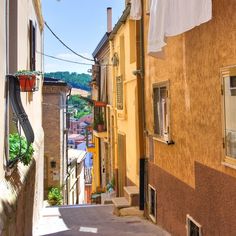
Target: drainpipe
<point>67,166</point>
<point>143,173</point>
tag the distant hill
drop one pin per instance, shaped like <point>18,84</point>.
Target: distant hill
<point>81,92</point>
<point>80,81</point>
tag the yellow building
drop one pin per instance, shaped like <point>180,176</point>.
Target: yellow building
<point>101,95</point>
<point>125,115</point>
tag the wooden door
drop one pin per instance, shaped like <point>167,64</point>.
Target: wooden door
<point>121,164</point>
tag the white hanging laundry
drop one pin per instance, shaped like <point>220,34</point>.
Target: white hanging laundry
<point>157,22</point>
<point>136,10</point>
<point>148,3</point>
<point>173,17</point>
<point>183,15</point>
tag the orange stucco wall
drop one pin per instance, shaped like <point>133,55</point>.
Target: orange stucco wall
<point>192,66</point>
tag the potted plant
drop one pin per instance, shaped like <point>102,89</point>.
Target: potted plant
<point>54,196</point>
<point>99,122</point>
<point>27,80</point>
<point>19,149</point>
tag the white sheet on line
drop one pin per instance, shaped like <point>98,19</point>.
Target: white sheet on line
<point>173,17</point>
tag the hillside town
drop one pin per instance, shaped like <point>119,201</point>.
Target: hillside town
<point>144,143</point>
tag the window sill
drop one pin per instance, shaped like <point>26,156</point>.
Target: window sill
<point>171,142</point>
<point>153,218</point>
<point>227,164</point>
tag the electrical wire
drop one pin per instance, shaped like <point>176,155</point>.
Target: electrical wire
<point>61,59</point>
<point>86,58</point>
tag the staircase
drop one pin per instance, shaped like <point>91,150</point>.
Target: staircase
<point>129,204</point>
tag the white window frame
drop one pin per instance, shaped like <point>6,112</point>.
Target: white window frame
<point>165,136</point>
<point>153,217</point>
<point>226,72</point>
<point>188,219</point>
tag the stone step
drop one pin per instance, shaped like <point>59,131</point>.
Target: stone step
<point>131,193</point>
<point>131,211</point>
<point>120,202</point>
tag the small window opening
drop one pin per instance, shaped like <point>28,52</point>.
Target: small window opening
<point>152,203</point>
<point>193,228</point>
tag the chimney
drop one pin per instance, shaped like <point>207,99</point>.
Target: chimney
<point>109,19</point>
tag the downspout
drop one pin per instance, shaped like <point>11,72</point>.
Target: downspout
<point>67,166</point>
<point>142,68</point>
<point>143,173</point>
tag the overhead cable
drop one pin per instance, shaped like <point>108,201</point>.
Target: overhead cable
<point>61,59</point>
<point>79,55</point>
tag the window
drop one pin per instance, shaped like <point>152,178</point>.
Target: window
<point>161,111</point>
<point>119,93</point>
<point>152,203</point>
<point>229,101</point>
<point>193,228</point>
<point>32,46</point>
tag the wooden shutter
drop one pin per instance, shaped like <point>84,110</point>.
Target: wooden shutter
<point>119,92</point>
<point>32,46</point>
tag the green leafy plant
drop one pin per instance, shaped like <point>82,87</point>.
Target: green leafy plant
<point>98,120</point>
<point>55,196</point>
<point>111,185</point>
<point>18,148</point>
<point>27,72</point>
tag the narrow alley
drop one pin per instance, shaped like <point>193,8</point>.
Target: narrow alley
<point>118,117</point>
<point>93,220</point>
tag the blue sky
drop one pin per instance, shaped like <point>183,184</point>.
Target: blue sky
<point>80,24</point>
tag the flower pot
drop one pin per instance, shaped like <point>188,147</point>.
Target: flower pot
<point>52,202</point>
<point>27,83</point>
<point>100,127</point>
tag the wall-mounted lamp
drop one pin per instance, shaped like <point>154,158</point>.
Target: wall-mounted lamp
<point>115,59</point>
<point>136,72</point>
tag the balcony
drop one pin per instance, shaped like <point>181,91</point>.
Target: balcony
<point>100,134</point>
<point>99,125</point>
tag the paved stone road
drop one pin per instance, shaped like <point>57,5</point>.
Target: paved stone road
<point>93,221</point>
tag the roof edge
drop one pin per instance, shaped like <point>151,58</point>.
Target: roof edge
<point>120,22</point>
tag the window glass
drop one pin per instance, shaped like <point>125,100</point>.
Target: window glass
<point>230,115</point>
<point>160,111</point>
